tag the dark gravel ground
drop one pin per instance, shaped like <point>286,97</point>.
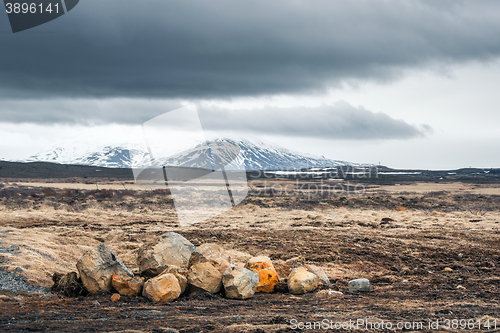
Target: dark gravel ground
<point>412,286</point>
<point>13,282</point>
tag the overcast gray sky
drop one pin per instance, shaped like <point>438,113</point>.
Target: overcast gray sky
<point>403,83</point>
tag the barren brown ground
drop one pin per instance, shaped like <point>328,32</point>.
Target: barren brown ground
<point>402,251</point>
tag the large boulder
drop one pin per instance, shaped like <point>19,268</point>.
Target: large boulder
<point>209,252</point>
<point>162,288</point>
<point>204,277</point>
<point>302,281</point>
<point>268,277</point>
<point>238,257</point>
<point>180,274</point>
<point>239,283</point>
<point>222,265</point>
<point>127,286</point>
<point>324,281</point>
<point>169,249</point>
<point>97,266</point>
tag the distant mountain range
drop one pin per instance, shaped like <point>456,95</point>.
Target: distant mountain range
<point>253,155</point>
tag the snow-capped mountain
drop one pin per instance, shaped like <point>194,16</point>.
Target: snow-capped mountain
<point>233,153</point>
<point>79,153</point>
<point>259,155</point>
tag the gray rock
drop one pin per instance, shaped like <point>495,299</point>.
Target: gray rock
<point>170,249</point>
<point>359,285</point>
<point>239,283</point>
<point>97,266</point>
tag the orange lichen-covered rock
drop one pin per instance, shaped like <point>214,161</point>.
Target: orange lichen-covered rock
<point>268,277</point>
<point>115,297</point>
<point>161,289</point>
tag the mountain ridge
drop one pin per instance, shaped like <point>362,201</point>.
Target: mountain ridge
<point>253,155</point>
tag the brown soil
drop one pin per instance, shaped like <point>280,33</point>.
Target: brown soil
<point>404,253</point>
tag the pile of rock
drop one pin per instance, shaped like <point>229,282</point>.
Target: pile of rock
<point>170,264</point>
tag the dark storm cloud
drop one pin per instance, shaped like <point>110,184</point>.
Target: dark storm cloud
<point>84,111</point>
<point>340,121</point>
<point>224,48</point>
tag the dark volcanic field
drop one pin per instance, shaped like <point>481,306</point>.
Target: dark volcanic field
<point>435,261</point>
<point>411,287</point>
<point>375,175</point>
